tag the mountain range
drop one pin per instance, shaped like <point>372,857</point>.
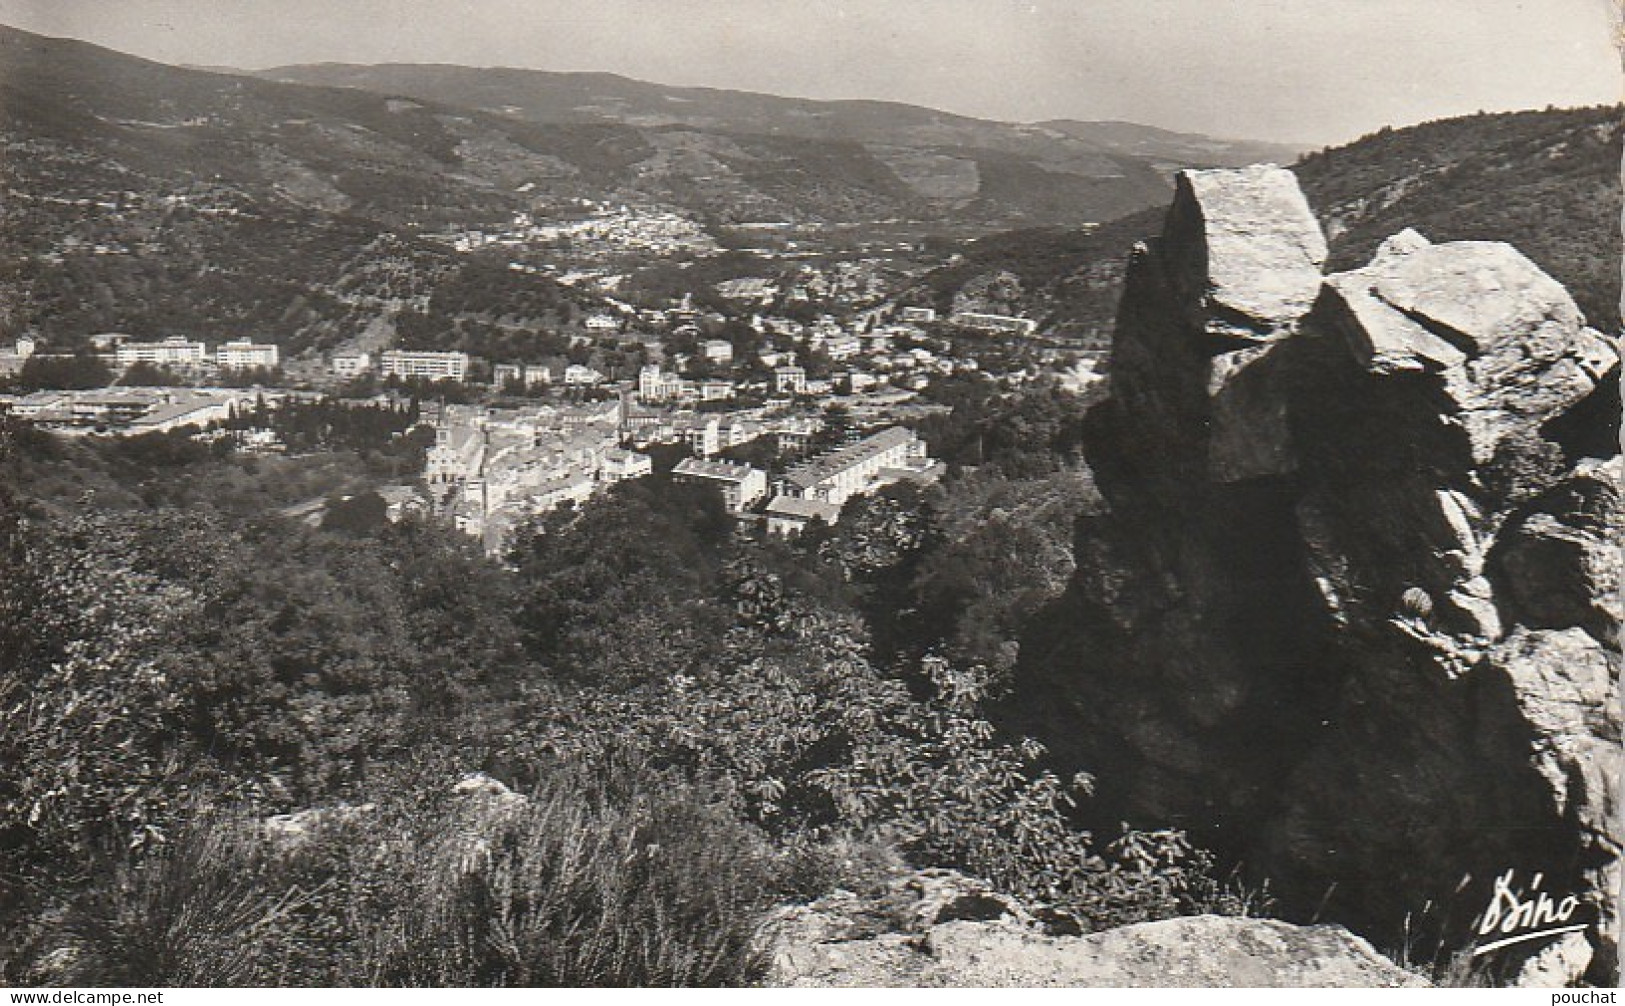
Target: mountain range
<point>947,161</point>
<point>288,204</point>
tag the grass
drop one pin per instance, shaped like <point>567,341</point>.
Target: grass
<point>627,882</point>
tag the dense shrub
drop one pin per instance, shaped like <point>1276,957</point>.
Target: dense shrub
<point>629,881</point>
<point>204,650</point>
<point>807,740</point>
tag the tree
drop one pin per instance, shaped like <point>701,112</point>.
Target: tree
<point>363,513</point>
<point>80,371</point>
<point>837,425</point>
<point>142,374</point>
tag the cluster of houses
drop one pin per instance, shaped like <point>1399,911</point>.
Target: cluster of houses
<point>870,361</point>
<point>879,356</point>
<point>606,228</point>
<point>489,469</point>
<point>1001,323</point>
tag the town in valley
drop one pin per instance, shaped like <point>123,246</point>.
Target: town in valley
<point>788,393</point>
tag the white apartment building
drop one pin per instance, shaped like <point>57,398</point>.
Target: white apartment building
<point>174,351</point>
<point>994,322</point>
<point>842,347</point>
<point>790,379</point>
<point>655,385</point>
<point>717,350</point>
<point>245,354</point>
<point>919,315</point>
<point>618,465</point>
<point>741,484</point>
<point>433,366</point>
<point>351,365</point>
<point>702,435</point>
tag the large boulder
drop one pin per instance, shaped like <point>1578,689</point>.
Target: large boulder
<point>938,928</point>
<point>1244,251</point>
<point>1506,339</point>
<point>1204,951</point>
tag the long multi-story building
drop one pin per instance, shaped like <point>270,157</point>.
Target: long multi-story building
<point>880,459</point>
<point>175,351</point>
<point>245,354</point>
<point>994,322</point>
<point>186,410</point>
<point>741,484</point>
<point>432,366</point>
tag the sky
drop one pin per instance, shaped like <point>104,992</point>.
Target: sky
<point>1311,71</point>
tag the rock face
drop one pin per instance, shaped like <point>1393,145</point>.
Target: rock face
<point>1353,614</point>
<point>940,929</point>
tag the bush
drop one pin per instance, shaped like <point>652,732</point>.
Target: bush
<point>207,911</point>
<point>625,880</point>
<point>1524,466</point>
<point>809,742</point>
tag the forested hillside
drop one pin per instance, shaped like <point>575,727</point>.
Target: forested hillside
<point>1547,182</point>
<point>775,719</point>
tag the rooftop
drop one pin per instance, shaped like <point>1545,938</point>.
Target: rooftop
<point>701,468</point>
<point>804,509</point>
<point>828,465</point>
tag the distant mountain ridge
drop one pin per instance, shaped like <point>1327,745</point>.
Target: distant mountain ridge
<point>556,97</point>
<point>956,167</point>
<point>456,144</point>
<point>290,210</point>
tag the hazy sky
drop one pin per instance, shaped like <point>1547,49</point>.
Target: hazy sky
<point>1310,70</point>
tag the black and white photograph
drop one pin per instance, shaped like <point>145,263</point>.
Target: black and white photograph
<point>1099,494</point>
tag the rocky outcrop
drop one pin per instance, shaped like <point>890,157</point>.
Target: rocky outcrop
<point>1352,615</point>
<point>940,929</point>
